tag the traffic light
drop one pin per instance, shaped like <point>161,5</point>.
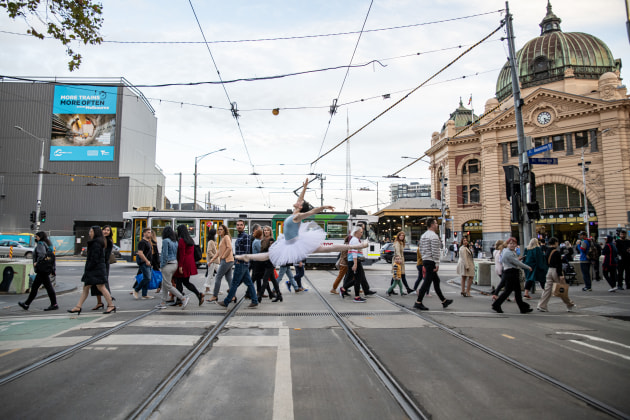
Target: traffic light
<point>455,234</point>
<point>533,211</point>
<point>42,216</point>
<point>33,216</point>
<point>515,216</point>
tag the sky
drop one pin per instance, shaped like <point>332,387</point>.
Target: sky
<point>403,44</point>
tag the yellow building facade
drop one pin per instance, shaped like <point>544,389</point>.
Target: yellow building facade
<point>573,98</point>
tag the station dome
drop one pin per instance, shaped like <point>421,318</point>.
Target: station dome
<point>545,59</point>
<point>462,116</point>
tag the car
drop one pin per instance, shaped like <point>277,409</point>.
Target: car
<point>115,251</point>
<point>20,250</point>
<point>387,252</point>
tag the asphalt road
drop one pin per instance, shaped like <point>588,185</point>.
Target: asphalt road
<point>292,360</point>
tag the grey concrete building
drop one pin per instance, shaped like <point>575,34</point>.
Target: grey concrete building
<point>99,155</point>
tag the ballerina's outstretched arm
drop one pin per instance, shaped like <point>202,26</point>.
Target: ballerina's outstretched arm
<point>340,247</point>
<point>261,256</point>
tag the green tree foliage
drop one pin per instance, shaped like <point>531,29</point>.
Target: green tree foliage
<point>65,20</point>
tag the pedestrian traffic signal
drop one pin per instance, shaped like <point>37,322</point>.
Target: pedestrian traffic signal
<point>455,234</point>
<point>42,216</point>
<point>533,211</point>
<point>33,216</point>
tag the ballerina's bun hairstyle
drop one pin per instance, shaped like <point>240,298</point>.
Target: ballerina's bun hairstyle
<point>306,207</point>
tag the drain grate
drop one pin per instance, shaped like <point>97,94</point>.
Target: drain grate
<point>256,313</point>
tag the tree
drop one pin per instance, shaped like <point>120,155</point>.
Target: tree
<point>65,20</point>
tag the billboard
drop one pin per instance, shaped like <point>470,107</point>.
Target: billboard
<point>84,123</point>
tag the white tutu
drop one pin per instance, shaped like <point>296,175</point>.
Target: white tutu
<point>310,237</point>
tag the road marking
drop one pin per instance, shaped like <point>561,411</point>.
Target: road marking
<point>42,342</point>
<point>247,341</point>
<point>9,352</point>
<point>599,348</point>
<point>148,340</point>
<point>283,392</point>
<point>508,336</point>
<point>592,337</point>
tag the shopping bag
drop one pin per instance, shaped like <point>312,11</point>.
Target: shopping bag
<point>156,280</point>
<point>560,290</point>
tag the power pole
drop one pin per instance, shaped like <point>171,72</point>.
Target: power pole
<point>525,226</point>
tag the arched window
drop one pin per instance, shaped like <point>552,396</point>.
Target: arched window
<point>471,167</point>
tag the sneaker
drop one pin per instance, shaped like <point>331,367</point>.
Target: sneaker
<point>221,303</point>
<point>359,299</point>
<point>619,287</point>
<point>52,307</point>
<point>160,306</point>
<point>419,305</point>
<point>541,309</point>
<point>135,295</point>
<point>185,302</point>
<point>614,289</point>
<point>587,289</point>
<point>572,308</point>
<point>497,309</point>
<point>370,293</point>
<point>446,303</point>
<point>148,297</point>
<point>23,306</point>
<point>413,292</point>
<point>252,305</point>
<point>288,285</point>
<point>526,311</point>
<point>342,292</point>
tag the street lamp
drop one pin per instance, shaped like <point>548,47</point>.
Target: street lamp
<point>197,159</point>
<point>584,166</point>
<point>209,202</point>
<point>443,181</point>
<point>374,183</point>
<point>40,177</point>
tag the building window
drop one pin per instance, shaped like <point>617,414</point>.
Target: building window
<point>558,143</point>
<point>471,167</point>
<point>474,193</point>
<point>514,148</point>
<point>504,148</point>
<point>539,141</point>
<point>581,139</point>
<point>465,194</point>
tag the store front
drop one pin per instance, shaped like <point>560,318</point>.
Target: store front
<point>473,230</point>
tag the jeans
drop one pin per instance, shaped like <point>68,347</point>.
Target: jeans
<point>512,284</point>
<point>42,278</point>
<point>225,269</point>
<point>146,278</point>
<point>287,269</point>
<point>241,275</point>
<point>585,268</point>
<point>624,267</point>
<point>431,278</point>
<point>299,273</point>
<point>167,285</point>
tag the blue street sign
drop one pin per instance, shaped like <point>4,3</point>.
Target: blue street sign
<point>543,161</point>
<point>544,148</point>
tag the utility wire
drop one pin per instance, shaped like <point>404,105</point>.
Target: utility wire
<point>409,94</point>
<point>333,109</point>
<point>288,37</point>
<point>232,104</point>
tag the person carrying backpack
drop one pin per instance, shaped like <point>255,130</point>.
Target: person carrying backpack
<point>44,263</point>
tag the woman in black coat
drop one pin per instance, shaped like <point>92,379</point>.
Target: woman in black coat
<point>95,273</point>
<point>109,245</point>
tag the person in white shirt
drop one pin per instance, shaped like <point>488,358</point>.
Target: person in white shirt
<point>430,246</point>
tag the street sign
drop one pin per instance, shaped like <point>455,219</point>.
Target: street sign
<point>543,161</point>
<point>544,148</point>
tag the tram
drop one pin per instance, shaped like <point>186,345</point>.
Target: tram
<point>336,225</point>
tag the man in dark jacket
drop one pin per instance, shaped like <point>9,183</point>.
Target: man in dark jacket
<point>623,248</point>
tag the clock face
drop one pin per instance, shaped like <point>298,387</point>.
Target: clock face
<point>544,118</point>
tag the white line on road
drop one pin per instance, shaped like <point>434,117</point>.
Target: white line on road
<point>592,337</point>
<point>600,349</point>
<point>283,393</point>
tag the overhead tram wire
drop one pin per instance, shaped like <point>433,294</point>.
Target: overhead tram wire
<point>333,108</point>
<point>234,112</point>
<point>288,37</point>
<point>410,93</point>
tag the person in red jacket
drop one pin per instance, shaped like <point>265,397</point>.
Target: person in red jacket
<point>186,266</point>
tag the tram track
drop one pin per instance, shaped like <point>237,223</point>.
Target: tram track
<point>588,399</point>
<point>72,349</point>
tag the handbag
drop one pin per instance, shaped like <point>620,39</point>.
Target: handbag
<point>561,290</point>
<point>155,282</point>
